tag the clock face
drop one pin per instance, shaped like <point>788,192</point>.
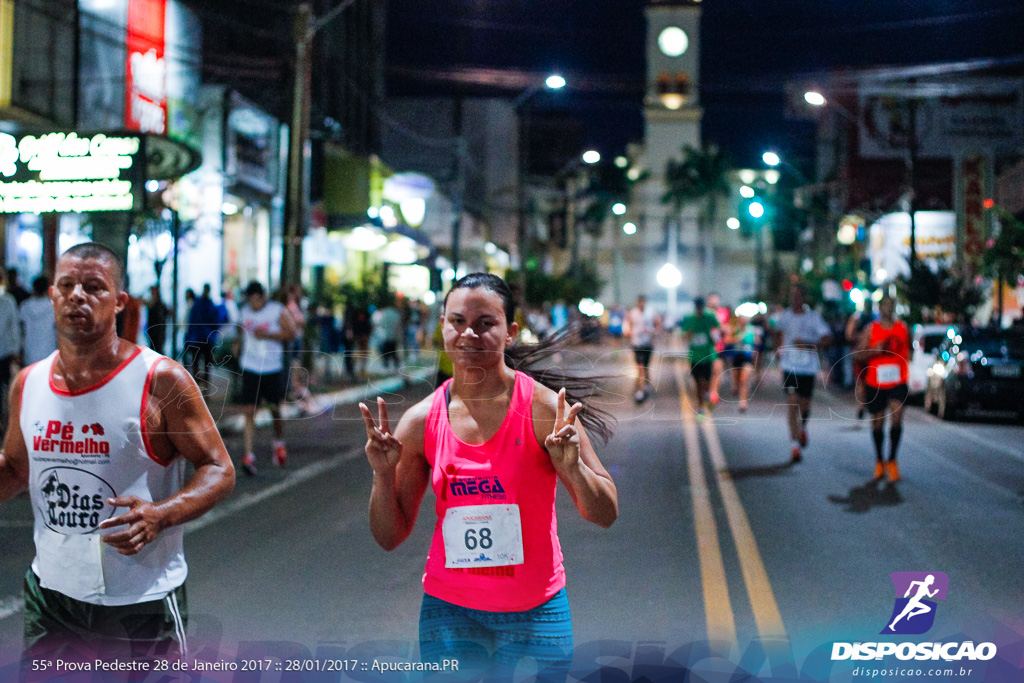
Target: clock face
<point>673,41</point>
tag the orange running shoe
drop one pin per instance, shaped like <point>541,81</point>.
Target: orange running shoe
<point>879,470</point>
<point>796,456</point>
<point>894,471</point>
<point>280,454</point>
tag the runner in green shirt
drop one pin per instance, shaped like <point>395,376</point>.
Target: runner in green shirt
<point>697,328</point>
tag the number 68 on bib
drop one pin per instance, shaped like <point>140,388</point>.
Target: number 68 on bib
<point>482,536</point>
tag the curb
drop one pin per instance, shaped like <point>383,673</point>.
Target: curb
<point>234,424</point>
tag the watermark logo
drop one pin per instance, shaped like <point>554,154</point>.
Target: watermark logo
<point>916,595</point>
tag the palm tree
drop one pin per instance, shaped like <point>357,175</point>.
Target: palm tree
<point>701,177</point>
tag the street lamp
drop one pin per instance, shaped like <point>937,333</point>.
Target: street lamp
<point>591,156</point>
<point>552,82</point>
<point>771,158</point>
<point>815,98</point>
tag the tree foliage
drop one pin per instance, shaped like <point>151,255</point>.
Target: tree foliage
<point>700,177</point>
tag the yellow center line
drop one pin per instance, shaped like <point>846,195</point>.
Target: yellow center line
<point>721,623</point>
<point>762,599</point>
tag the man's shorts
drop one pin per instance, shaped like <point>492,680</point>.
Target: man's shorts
<point>741,358</point>
<point>643,355</point>
<point>801,385</point>
<point>701,370</point>
<point>56,624</point>
<point>258,388</point>
<point>879,399</point>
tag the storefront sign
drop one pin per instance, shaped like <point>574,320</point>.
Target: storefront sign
<point>972,196</point>
<point>146,81</point>
<point>68,173</point>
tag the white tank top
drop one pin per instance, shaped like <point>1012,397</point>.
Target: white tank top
<point>262,356</point>
<point>84,447</point>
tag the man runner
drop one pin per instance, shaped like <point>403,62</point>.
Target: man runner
<point>96,426</point>
<point>697,332</point>
<point>641,325</point>
<point>800,332</point>
<point>266,327</point>
<point>886,349</point>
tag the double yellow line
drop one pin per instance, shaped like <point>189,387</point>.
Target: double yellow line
<point>719,614</point>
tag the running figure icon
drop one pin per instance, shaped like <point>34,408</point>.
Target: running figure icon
<point>915,607</point>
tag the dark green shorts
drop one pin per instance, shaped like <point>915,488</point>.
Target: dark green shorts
<point>56,625</point>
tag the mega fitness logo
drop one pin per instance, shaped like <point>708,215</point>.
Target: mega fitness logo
<point>914,613</point>
<point>73,501</point>
<point>485,487</point>
<point>60,437</point>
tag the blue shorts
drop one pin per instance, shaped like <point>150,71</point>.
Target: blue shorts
<point>497,641</point>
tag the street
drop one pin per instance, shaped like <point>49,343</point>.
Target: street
<point>726,559</point>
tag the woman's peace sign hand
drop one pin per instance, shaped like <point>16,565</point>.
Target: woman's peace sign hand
<point>382,448</point>
<point>563,443</point>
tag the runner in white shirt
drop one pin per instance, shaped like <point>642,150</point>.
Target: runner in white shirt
<point>640,325</point>
<point>99,434</point>
<point>266,327</point>
<point>800,332</point>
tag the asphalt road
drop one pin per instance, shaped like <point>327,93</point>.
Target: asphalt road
<point>726,560</point>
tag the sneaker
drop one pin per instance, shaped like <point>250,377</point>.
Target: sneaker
<point>803,438</point>
<point>249,464</point>
<point>860,414</point>
<point>894,471</point>
<point>743,406</point>
<point>796,455</point>
<point>280,454</point>
<point>879,470</point>
<point>714,398</point>
<point>639,397</point>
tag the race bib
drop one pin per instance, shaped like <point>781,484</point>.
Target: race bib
<point>888,373</point>
<point>482,536</point>
<point>700,339</point>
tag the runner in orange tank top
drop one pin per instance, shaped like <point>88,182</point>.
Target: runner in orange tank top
<point>493,443</point>
<point>886,350</point>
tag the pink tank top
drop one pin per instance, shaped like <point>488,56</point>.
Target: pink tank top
<point>495,543</point>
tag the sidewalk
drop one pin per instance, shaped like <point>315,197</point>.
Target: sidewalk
<point>323,396</point>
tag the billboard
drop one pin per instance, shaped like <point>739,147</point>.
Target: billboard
<point>947,117</point>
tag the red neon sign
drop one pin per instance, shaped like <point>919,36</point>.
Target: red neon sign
<point>146,80</point>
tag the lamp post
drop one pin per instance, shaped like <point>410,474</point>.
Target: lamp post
<point>817,99</point>
<point>296,209</point>
<point>552,82</point>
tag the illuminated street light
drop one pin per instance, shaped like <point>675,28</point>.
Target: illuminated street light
<point>591,156</point>
<point>771,176</point>
<point>746,192</point>
<point>629,228</point>
<point>555,82</point>
<point>621,162</point>
<point>813,97</point>
<point>756,209</point>
<point>733,223</point>
<point>669,276</point>
<point>771,158</point>
<point>618,208</point>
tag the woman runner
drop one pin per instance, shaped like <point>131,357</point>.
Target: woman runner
<point>492,443</point>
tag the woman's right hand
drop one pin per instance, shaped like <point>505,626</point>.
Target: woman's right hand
<point>382,448</point>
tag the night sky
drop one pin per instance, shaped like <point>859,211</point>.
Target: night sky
<point>750,49</point>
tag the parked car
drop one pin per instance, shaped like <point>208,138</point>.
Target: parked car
<point>977,369</point>
<point>926,340</point>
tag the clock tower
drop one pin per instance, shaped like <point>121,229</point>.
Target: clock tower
<point>672,116</point>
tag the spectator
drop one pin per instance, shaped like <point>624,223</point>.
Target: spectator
<point>40,329</point>
<point>19,293</point>
<point>129,321</point>
<point>203,323</point>
<point>156,320</point>
<point>358,329</point>
<point>8,342</point>
<point>388,321</point>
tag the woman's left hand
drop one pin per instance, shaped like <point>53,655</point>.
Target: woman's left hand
<point>563,443</point>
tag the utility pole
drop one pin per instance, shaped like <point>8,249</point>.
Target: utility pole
<point>298,181</point>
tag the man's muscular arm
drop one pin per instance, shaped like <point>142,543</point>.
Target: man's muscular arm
<point>179,423</point>
<point>14,457</point>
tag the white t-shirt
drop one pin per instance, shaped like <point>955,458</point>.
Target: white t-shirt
<point>262,356</point>
<point>40,329</point>
<point>641,326</point>
<point>808,327</point>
